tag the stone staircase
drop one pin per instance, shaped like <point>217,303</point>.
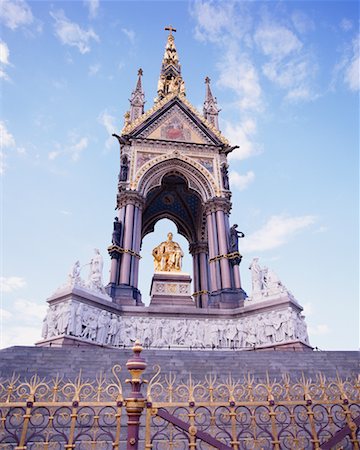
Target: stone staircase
<point>47,362</point>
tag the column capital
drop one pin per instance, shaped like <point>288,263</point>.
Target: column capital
<point>129,197</point>
<point>196,248</point>
<point>217,204</point>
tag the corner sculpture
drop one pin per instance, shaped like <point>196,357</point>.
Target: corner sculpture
<point>173,163</point>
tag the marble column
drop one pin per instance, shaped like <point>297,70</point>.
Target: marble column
<point>223,250</point>
<point>128,235</point>
<point>212,252</point>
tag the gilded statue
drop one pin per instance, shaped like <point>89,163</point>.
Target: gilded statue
<point>168,256</point>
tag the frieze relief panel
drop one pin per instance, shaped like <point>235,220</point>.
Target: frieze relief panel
<point>92,324</point>
<point>163,288</point>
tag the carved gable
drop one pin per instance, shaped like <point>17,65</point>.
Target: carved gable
<point>175,125</point>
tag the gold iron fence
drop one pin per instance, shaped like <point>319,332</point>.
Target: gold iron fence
<point>224,413</point>
<point>244,414</point>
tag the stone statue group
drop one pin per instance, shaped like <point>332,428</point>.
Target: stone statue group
<point>265,282</point>
<point>105,328</point>
<point>94,281</point>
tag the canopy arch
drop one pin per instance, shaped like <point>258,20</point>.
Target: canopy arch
<point>197,177</point>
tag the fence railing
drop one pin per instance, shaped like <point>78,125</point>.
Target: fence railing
<point>177,413</point>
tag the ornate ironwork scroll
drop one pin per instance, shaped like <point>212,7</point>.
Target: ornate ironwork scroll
<point>60,414</point>
<point>244,414</point>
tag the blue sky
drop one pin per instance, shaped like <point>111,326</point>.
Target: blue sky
<point>286,75</point>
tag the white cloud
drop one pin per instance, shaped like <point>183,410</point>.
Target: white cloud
<point>20,335</point>
<point>308,309</point>
<point>78,148</point>
<point>130,34</point>
<point>4,53</point>
<point>15,13</point>
<point>93,6</point>
<point>276,41</point>
<point>242,134</point>
<point>352,75</point>
<point>94,69</point>
<point>276,232</point>
<point>3,164</point>
<point>213,20</point>
<point>346,24</point>
<point>10,284</point>
<point>74,148</point>
<point>30,309</point>
<point>241,182</point>
<point>238,73</point>
<point>4,314</point>
<point>6,138</point>
<point>302,22</point>
<point>319,329</point>
<point>70,33</point>
<point>109,122</point>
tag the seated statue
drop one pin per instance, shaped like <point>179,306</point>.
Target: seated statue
<point>168,256</point>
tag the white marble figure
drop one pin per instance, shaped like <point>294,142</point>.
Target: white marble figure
<point>95,275</point>
<point>257,277</point>
<point>265,282</point>
<point>74,275</point>
<point>102,327</point>
<point>113,330</point>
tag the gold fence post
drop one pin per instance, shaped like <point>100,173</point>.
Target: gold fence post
<point>135,404</point>
<point>27,417</point>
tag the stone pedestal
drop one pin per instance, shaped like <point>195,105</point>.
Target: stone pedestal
<point>171,289</point>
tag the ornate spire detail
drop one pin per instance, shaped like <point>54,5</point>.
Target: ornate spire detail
<point>170,80</point>
<point>211,110</point>
<point>137,100</point>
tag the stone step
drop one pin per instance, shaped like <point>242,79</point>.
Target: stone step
<point>45,361</point>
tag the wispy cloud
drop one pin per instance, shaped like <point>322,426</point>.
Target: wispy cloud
<point>10,284</point>
<point>346,24</point>
<point>302,22</point>
<point>6,138</point>
<point>319,329</point>
<point>74,148</point>
<point>20,335</point>
<point>239,181</point>
<point>238,73</point>
<point>93,6</point>
<point>242,134</point>
<point>352,75</point>
<point>15,13</point>
<point>130,34</point>
<point>109,122</point>
<point>289,65</point>
<point>70,33</point>
<point>4,60</point>
<point>277,231</point>
<point>276,41</point>
<point>94,69</point>
<point>30,308</point>
<point>4,314</point>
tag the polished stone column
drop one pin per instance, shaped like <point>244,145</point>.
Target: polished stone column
<point>223,250</point>
<point>126,257</point>
<point>212,252</point>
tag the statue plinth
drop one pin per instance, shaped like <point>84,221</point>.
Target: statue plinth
<point>171,289</point>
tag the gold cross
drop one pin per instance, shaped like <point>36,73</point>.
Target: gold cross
<point>170,29</point>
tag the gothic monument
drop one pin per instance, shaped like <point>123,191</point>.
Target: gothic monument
<point>173,164</point>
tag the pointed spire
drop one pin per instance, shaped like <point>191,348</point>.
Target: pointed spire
<point>211,110</point>
<point>170,80</point>
<point>137,100</point>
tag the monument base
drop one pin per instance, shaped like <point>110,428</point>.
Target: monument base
<point>171,289</point>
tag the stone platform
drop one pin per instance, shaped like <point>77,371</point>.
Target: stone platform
<point>25,361</point>
<point>171,289</point>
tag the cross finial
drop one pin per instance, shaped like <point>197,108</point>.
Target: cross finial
<point>207,80</point>
<point>140,71</point>
<point>170,29</point>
